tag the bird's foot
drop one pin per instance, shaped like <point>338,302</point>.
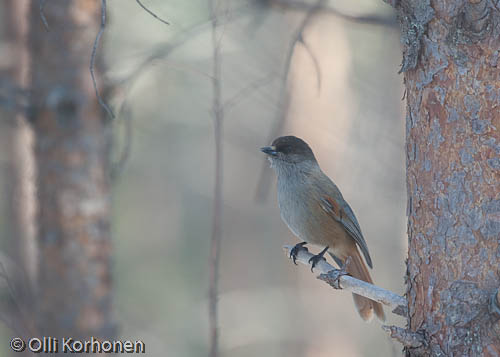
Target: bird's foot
<point>317,258</point>
<point>295,250</point>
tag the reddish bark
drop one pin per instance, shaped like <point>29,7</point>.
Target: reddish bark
<point>451,59</point>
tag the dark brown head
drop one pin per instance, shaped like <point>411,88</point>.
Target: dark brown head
<point>289,149</point>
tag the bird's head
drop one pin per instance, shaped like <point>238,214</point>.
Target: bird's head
<point>289,150</point>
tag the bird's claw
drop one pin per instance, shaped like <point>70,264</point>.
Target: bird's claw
<point>315,259</point>
<point>295,250</point>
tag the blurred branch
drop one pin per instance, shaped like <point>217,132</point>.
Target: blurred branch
<point>152,13</point>
<point>92,58</point>
<point>16,301</point>
<point>117,167</point>
<point>162,51</point>
<point>312,9</point>
<point>265,177</point>
<point>178,40</point>
<point>389,21</point>
<point>242,93</point>
<point>218,112</point>
<point>337,280</point>
<point>42,14</point>
<point>315,63</point>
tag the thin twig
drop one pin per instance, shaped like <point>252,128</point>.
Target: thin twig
<point>243,93</point>
<point>218,112</point>
<point>329,274</point>
<point>264,183</point>
<point>152,13</point>
<point>42,14</point>
<point>317,67</point>
<point>117,167</point>
<point>162,51</point>
<point>92,59</point>
<point>172,44</point>
<point>374,20</point>
<point>19,322</point>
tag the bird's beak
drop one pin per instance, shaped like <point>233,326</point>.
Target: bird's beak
<point>269,150</point>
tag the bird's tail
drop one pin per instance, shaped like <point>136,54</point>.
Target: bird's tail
<point>357,268</point>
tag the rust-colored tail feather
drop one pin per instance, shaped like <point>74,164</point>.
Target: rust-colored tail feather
<point>357,268</point>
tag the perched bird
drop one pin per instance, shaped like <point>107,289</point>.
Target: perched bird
<point>313,208</point>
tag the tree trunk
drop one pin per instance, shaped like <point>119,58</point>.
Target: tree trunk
<point>21,262</point>
<point>452,77</point>
<point>71,153</point>
<point>21,164</point>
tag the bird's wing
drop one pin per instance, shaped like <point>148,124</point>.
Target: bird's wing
<point>335,205</point>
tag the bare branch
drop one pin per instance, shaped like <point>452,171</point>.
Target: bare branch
<point>311,10</point>
<point>117,167</point>
<point>281,115</point>
<point>377,20</point>
<point>152,13</point>
<point>18,321</point>
<point>92,59</point>
<point>164,50</point>
<point>218,112</point>
<point>331,275</point>
<point>242,93</point>
<point>42,14</point>
<point>315,62</point>
<point>406,337</point>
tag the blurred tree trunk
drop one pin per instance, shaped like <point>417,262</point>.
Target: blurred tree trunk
<point>20,182</point>
<point>20,264</point>
<point>71,153</point>
<point>452,77</point>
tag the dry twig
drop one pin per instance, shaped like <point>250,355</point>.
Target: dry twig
<point>242,93</point>
<point>117,167</point>
<point>92,59</point>
<point>42,14</point>
<point>373,20</point>
<point>152,13</point>
<point>310,9</point>
<point>218,112</point>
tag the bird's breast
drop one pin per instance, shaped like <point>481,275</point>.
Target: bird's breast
<point>302,213</point>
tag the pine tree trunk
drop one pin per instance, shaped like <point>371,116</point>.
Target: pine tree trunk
<point>452,76</point>
<point>71,153</point>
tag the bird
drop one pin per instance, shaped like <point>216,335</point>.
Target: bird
<point>314,209</point>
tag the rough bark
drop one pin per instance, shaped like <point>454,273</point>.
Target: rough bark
<point>452,77</point>
<point>71,152</point>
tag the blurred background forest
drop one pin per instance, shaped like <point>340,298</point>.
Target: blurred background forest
<point>344,99</point>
